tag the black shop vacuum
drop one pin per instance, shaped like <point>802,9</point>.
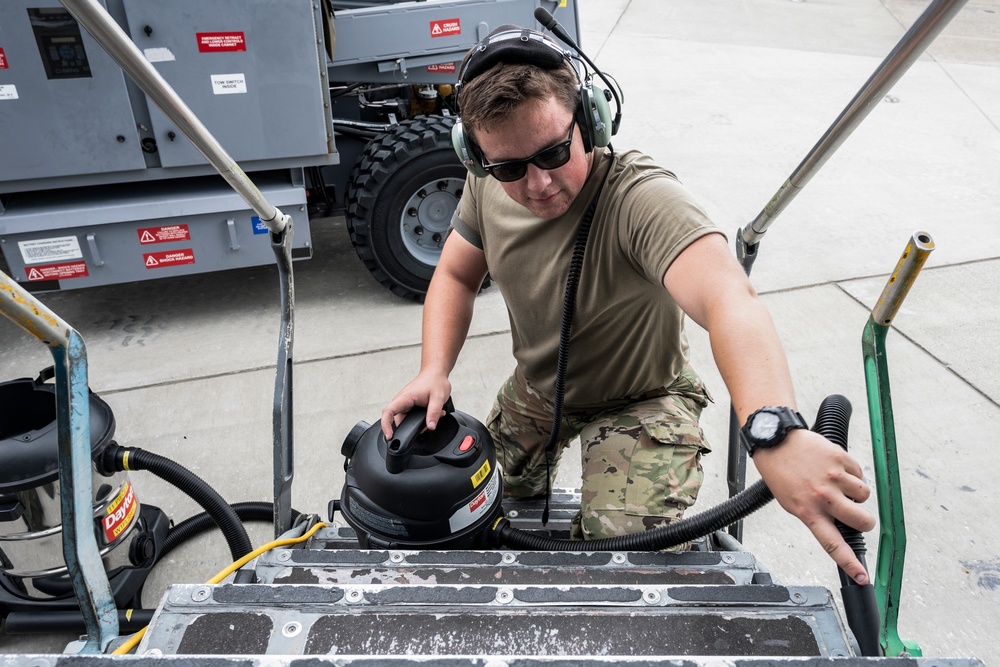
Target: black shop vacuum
<point>441,489</point>
<point>420,489</point>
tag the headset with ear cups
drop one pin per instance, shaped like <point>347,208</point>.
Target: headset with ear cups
<point>513,44</point>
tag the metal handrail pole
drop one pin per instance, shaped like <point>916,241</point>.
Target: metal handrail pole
<point>83,556</point>
<point>113,39</point>
<point>109,34</point>
<point>910,47</point>
<point>888,579</point>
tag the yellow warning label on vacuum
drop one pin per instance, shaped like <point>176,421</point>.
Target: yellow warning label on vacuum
<point>121,512</point>
<point>481,474</point>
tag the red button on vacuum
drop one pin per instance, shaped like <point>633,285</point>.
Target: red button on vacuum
<point>467,444</point>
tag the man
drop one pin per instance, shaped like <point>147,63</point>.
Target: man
<point>652,258</point>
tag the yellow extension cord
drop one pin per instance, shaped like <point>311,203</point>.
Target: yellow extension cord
<point>134,640</point>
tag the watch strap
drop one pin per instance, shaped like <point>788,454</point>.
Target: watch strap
<point>788,420</point>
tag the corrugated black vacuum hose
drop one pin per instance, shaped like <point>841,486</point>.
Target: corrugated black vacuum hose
<point>860,604</point>
<point>117,458</point>
<point>738,507</point>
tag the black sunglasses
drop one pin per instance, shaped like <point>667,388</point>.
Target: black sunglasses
<point>552,157</point>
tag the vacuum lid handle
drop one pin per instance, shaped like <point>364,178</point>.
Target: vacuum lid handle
<point>400,446</point>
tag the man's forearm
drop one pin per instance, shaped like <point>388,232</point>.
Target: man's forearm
<point>751,359</point>
<point>447,315</point>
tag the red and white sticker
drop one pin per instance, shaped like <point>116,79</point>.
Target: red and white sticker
<point>478,501</point>
<point>443,68</point>
<point>57,271</point>
<point>159,260</point>
<point>218,42</point>
<point>121,512</point>
<point>478,506</point>
<point>446,27</point>
<point>165,234</point>
<point>3,60</point>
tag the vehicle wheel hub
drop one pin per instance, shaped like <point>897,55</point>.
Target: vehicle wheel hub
<point>427,216</point>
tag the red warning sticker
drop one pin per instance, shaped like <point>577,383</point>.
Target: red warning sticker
<point>57,271</point>
<point>165,234</point>
<point>215,42</point>
<point>477,501</point>
<point>443,68</point>
<point>121,512</point>
<point>3,60</point>
<point>157,260</point>
<point>446,27</point>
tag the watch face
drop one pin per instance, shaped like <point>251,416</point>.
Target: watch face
<point>764,426</point>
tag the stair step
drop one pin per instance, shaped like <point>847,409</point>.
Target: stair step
<point>466,661</point>
<point>538,620</point>
<point>353,566</point>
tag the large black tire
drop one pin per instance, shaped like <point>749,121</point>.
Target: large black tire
<point>402,193</point>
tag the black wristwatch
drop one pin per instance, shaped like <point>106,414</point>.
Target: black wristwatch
<point>768,427</point>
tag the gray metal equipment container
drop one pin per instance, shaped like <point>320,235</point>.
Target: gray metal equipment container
<point>98,184</point>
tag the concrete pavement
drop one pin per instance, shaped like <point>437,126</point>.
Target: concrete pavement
<point>730,96</point>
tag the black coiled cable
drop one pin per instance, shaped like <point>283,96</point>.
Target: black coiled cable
<point>566,328</point>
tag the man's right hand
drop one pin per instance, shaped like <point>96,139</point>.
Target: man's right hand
<point>426,390</point>
<point>448,308</point>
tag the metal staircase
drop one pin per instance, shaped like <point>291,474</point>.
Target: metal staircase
<point>711,605</point>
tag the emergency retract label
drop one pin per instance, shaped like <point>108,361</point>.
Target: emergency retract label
<point>214,42</point>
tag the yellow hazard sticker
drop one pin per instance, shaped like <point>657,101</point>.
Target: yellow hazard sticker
<point>562,3</point>
<point>481,474</point>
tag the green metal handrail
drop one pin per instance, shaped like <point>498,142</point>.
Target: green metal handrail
<point>892,528</point>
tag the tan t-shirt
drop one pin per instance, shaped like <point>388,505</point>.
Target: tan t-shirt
<point>628,333</point>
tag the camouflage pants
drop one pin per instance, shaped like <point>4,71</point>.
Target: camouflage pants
<point>641,456</point>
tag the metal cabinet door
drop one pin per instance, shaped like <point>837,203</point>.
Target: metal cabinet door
<point>249,69</point>
<point>64,106</point>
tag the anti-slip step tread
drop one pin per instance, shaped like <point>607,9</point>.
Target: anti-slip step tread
<point>496,619</point>
<point>345,566</point>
